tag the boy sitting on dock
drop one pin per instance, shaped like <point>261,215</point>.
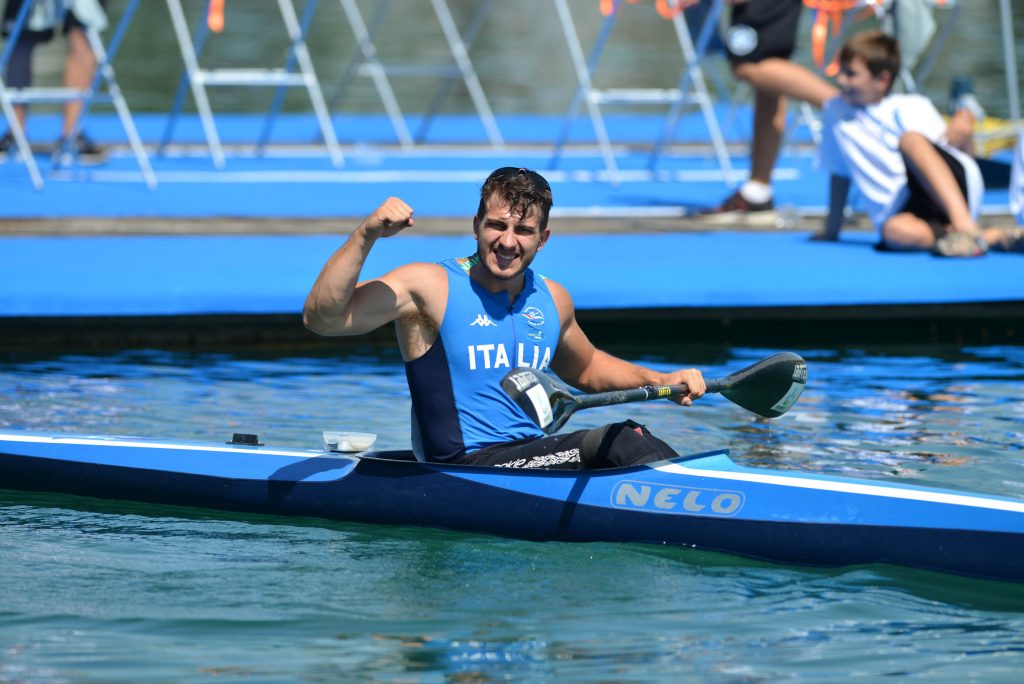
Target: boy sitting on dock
<point>921,192</point>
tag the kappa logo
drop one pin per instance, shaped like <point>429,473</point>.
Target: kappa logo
<point>484,321</point>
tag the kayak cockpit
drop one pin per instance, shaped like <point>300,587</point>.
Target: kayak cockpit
<point>406,455</point>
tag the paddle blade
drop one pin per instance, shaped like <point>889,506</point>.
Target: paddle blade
<point>547,403</point>
<point>769,387</point>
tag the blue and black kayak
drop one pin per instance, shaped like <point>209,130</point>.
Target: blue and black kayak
<point>702,501</point>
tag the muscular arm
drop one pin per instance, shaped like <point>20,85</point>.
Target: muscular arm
<point>587,368</point>
<point>338,304</point>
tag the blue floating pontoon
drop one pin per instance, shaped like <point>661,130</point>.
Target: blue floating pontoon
<point>169,276</point>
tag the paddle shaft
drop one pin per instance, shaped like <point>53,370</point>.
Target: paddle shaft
<point>645,393</point>
<point>768,388</point>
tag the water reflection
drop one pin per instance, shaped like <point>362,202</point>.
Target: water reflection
<point>158,593</point>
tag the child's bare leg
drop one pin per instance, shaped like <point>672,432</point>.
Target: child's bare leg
<point>960,133</point>
<point>906,232</point>
<point>1004,237</point>
<point>934,175</point>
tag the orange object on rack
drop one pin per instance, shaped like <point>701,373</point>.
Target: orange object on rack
<point>215,16</point>
<point>829,12</point>
<point>666,9</point>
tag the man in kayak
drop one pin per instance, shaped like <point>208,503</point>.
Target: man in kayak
<point>462,324</point>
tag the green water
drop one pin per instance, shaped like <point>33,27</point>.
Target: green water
<point>158,596</point>
<point>520,55</point>
<point>120,592</point>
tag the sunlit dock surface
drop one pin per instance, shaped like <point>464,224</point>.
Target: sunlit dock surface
<point>227,255</point>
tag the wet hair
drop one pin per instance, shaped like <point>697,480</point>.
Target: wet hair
<point>520,189</point>
<point>880,52</point>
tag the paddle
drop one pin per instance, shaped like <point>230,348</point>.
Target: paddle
<point>768,388</point>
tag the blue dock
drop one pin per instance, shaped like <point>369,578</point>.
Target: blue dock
<point>626,251</point>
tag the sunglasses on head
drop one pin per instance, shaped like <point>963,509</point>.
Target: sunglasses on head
<point>510,172</point>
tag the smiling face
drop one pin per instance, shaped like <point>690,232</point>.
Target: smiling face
<point>859,86</point>
<point>507,241</point>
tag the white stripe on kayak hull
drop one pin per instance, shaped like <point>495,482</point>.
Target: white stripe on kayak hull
<point>106,442</point>
<point>849,487</point>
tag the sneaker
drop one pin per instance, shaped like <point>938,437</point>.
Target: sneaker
<point>1010,240</point>
<point>82,149</point>
<point>971,104</point>
<point>959,245</point>
<point>736,210</point>
<point>7,145</point>
<point>961,96</point>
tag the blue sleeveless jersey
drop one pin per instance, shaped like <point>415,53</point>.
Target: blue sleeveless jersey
<point>458,405</point>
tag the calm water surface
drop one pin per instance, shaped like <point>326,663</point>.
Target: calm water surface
<point>97,591</point>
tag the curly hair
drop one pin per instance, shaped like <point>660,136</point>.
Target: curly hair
<point>521,189</point>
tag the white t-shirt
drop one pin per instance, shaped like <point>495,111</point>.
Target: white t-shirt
<point>862,144</point>
<point>1017,182</point>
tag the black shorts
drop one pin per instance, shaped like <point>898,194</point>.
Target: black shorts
<point>616,445</point>
<point>11,13</point>
<point>920,203</point>
<point>760,29</point>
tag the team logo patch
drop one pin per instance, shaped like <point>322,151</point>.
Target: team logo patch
<point>535,335</point>
<point>533,316</point>
<point>741,40</point>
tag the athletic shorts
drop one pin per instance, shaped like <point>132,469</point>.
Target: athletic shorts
<point>760,29</point>
<point>920,203</point>
<point>616,445</point>
<point>11,13</point>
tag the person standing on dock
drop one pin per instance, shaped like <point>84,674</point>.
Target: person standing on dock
<point>760,41</point>
<point>464,323</point>
<point>921,192</point>
<point>79,64</point>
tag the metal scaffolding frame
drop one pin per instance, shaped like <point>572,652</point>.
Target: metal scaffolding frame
<point>197,79</point>
<point>366,62</point>
<point>104,77</point>
<point>692,89</point>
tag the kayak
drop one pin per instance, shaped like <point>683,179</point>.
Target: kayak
<point>701,501</point>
